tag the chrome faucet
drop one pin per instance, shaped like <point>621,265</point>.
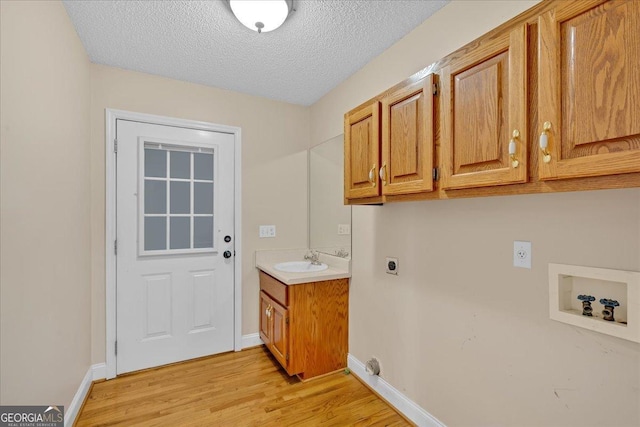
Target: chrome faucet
<point>313,256</point>
<point>342,253</point>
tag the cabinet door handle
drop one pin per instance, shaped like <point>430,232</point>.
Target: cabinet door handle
<point>372,175</point>
<point>383,173</point>
<point>512,148</point>
<point>544,142</point>
<point>267,312</point>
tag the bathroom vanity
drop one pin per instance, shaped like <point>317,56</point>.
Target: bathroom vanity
<point>304,318</point>
<point>304,314</point>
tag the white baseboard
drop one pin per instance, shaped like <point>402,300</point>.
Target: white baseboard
<point>251,340</point>
<point>99,371</point>
<point>95,372</point>
<point>398,400</point>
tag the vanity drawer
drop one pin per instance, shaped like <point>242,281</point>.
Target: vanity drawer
<point>276,289</point>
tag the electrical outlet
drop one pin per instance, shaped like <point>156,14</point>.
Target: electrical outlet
<point>344,229</point>
<point>522,254</point>
<point>267,231</point>
<point>392,265</point>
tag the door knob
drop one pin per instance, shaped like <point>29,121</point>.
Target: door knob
<point>227,254</point>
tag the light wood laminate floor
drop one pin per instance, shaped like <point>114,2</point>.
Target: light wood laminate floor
<point>233,389</point>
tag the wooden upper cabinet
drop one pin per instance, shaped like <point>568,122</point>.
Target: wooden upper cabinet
<point>362,152</point>
<point>484,100</point>
<point>589,88</point>
<point>407,139</point>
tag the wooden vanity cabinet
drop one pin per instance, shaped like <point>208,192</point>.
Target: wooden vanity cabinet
<point>305,326</point>
<point>589,88</point>
<point>484,102</point>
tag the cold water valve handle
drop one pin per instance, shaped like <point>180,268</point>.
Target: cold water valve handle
<point>609,306</point>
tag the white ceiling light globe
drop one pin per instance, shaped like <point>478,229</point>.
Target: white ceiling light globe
<point>260,15</point>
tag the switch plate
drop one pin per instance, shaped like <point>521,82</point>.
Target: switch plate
<point>267,231</point>
<point>392,265</point>
<point>522,254</point>
<point>344,229</point>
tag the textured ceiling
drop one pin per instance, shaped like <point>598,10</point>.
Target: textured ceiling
<point>320,45</point>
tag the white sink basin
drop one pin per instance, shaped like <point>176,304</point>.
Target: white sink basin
<point>300,267</point>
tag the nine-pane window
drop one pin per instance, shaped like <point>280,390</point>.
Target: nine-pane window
<point>177,210</point>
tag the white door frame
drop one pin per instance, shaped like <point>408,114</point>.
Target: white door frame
<point>110,220</point>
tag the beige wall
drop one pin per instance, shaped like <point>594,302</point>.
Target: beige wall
<point>45,295</point>
<point>275,137</point>
<point>459,330</point>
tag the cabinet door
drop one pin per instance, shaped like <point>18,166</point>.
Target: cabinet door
<point>362,152</point>
<point>407,139</point>
<point>484,100</point>
<point>265,318</point>
<point>589,88</point>
<point>280,333</point>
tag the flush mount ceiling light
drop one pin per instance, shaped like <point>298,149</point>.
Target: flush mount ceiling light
<point>261,15</point>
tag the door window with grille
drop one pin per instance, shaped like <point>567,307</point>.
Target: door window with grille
<point>176,202</point>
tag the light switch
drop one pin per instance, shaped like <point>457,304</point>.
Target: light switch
<point>344,229</point>
<point>267,231</point>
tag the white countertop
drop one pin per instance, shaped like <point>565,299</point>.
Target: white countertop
<point>339,268</point>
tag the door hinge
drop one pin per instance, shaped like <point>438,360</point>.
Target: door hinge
<point>115,145</point>
<point>116,348</point>
<point>287,357</point>
<point>434,89</point>
<point>286,320</point>
<point>115,247</point>
<point>436,174</point>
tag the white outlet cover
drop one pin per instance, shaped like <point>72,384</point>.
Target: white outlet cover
<point>522,254</point>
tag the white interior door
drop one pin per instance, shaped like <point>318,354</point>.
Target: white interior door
<point>174,280</point>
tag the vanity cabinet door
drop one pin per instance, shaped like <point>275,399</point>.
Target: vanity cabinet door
<point>484,108</point>
<point>407,139</point>
<point>362,152</point>
<point>274,328</point>
<point>265,319</point>
<point>589,89</point>
<point>280,334</point>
